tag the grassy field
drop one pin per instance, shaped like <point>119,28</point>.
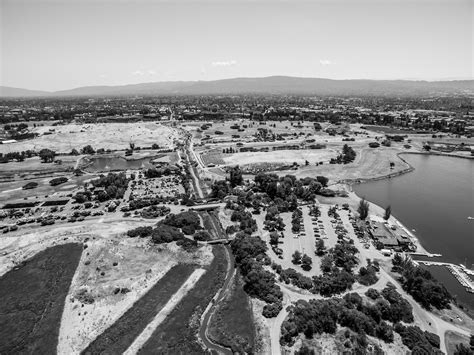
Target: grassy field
<point>281,156</point>
<point>452,339</point>
<point>233,325</point>
<point>32,300</point>
<point>10,191</point>
<point>118,337</point>
<point>177,333</point>
<point>252,127</point>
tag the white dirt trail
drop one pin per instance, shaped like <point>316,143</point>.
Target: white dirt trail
<point>165,311</point>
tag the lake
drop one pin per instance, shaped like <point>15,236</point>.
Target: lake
<point>110,163</point>
<point>435,200</point>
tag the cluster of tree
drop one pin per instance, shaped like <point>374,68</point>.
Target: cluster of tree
<point>348,155</point>
<point>418,341</point>
<point>156,173</point>
<point>188,221</point>
<point>273,221</point>
<point>166,231</point>
<point>364,318</point>
<point>141,232</point>
<point>296,219</point>
<point>88,150</point>
<point>368,275</point>
<point>220,189</point>
<point>154,211</point>
<point>47,155</point>
<point>337,268</point>
<point>302,259</point>
<point>115,186</point>
<point>285,191</point>
<point>291,276</point>
<point>58,181</point>
<point>229,150</point>
<point>18,156</point>
<point>250,256</point>
<point>247,223</point>
<point>320,247</point>
<point>30,185</point>
<point>137,203</point>
<point>363,209</point>
<point>202,236</point>
<point>420,284</point>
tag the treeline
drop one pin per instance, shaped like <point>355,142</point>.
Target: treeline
<point>337,268</point>
<point>360,316</point>
<point>250,257</point>
<point>114,187</point>
<point>172,228</point>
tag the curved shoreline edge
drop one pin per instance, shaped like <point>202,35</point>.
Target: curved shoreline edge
<point>350,182</point>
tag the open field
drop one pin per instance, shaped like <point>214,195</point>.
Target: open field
<point>10,191</point>
<point>35,164</point>
<point>232,325</point>
<point>369,163</point>
<point>177,333</point>
<point>104,135</point>
<point>118,337</point>
<point>33,296</point>
<point>281,156</point>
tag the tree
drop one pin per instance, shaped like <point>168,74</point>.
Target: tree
<point>320,247</point>
<point>363,209</point>
<point>74,152</point>
<point>235,177</point>
<point>88,150</point>
<point>462,349</point>
<point>296,258</point>
<point>274,238</point>
<point>322,180</point>
<point>388,211</point>
<point>306,262</point>
<point>47,155</point>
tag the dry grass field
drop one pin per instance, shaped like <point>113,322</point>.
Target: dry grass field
<point>104,135</point>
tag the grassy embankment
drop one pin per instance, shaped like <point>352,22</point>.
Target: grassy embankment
<point>232,325</point>
<point>32,300</point>
<point>120,335</point>
<point>177,334</point>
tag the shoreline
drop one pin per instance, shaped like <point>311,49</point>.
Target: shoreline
<point>421,250</point>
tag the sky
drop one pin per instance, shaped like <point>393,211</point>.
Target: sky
<point>56,45</point>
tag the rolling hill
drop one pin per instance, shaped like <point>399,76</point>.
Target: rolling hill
<point>268,85</point>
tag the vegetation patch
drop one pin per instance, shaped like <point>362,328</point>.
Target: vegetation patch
<point>232,325</point>
<point>120,335</point>
<point>55,203</point>
<point>33,296</point>
<point>19,205</point>
<point>177,334</point>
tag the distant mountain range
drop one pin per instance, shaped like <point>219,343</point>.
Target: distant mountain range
<point>268,85</point>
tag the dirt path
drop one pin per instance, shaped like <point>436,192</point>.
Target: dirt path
<point>175,299</point>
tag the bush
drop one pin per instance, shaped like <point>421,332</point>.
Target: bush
<point>202,236</point>
<point>58,181</point>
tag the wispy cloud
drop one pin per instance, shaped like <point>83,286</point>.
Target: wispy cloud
<point>102,76</point>
<point>325,62</point>
<point>151,72</point>
<point>138,73</point>
<point>225,63</point>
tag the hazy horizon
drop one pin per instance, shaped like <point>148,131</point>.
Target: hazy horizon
<point>59,45</point>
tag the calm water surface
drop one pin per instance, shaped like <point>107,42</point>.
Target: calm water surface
<point>435,200</point>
